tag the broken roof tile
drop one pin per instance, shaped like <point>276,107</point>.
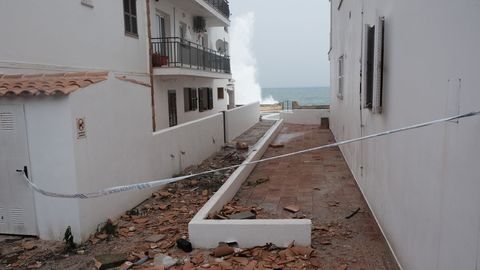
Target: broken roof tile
<point>48,84</point>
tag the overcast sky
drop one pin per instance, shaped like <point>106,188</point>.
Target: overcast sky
<point>290,42</point>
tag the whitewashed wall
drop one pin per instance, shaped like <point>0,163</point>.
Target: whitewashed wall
<point>197,140</point>
<point>241,119</point>
<point>69,34</point>
<point>305,116</point>
<point>117,149</point>
<point>422,185</point>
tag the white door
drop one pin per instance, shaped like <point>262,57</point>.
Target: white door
<point>17,214</point>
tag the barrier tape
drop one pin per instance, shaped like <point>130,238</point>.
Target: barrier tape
<point>157,183</point>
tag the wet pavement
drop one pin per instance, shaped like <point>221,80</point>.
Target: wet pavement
<point>320,184</point>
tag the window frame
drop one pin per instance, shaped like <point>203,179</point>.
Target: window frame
<point>130,18</point>
<point>220,93</point>
<point>341,76</point>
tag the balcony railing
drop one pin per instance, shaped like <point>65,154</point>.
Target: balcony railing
<point>221,5</point>
<point>179,53</point>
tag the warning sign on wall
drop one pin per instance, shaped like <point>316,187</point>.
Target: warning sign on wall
<point>81,128</point>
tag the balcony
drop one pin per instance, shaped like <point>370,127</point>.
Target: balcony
<point>176,56</point>
<point>221,6</point>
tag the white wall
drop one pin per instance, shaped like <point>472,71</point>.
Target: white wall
<point>179,83</point>
<point>198,140</point>
<point>66,33</point>
<point>117,150</point>
<point>305,116</point>
<point>50,140</point>
<point>422,185</point>
<point>241,119</point>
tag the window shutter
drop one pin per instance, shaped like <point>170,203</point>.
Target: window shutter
<point>186,99</point>
<point>201,101</point>
<point>369,66</point>
<point>210,98</point>
<point>193,99</point>
<point>378,96</point>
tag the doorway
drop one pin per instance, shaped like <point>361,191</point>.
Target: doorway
<point>172,108</point>
<point>17,211</point>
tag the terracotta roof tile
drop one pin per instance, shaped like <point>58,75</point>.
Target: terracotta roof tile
<point>48,84</point>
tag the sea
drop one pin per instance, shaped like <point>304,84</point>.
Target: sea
<point>304,95</point>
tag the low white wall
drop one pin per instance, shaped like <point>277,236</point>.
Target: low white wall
<point>241,119</point>
<point>247,233</point>
<point>305,116</point>
<point>188,144</point>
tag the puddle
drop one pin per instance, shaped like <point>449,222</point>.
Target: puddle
<point>284,138</point>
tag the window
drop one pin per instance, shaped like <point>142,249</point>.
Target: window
<point>341,71</point>
<point>130,16</point>
<point>220,93</point>
<point>369,68</point>
<point>205,99</point>
<point>190,99</point>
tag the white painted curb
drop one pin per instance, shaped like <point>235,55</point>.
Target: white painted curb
<point>206,233</point>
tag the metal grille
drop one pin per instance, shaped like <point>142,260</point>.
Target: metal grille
<point>3,216</point>
<point>6,121</point>
<point>17,217</point>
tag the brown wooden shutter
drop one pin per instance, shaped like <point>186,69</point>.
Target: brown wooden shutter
<point>210,98</point>
<point>201,100</point>
<point>193,99</point>
<point>186,99</point>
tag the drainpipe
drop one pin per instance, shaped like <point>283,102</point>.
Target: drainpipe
<point>150,62</point>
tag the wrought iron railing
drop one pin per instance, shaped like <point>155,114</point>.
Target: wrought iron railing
<point>221,5</point>
<point>178,52</point>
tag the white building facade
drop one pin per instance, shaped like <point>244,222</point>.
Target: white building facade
<point>393,64</point>
<point>90,98</point>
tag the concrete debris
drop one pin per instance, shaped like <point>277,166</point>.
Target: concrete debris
<point>164,260</point>
<point>28,245</point>
<point>277,145</point>
<point>241,146</point>
<point>243,215</point>
<point>155,238</point>
<point>292,208</point>
<point>107,261</point>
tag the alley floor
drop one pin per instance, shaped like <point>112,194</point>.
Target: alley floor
<point>321,185</point>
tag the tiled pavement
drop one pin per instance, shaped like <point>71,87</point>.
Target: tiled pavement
<point>322,185</point>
